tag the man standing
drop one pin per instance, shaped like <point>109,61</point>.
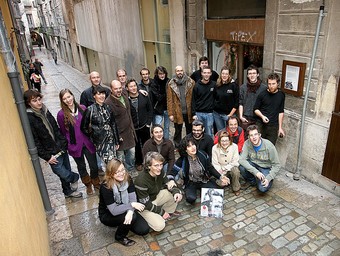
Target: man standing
<point>259,160</point>
<point>203,101</point>
<point>203,141</point>
<point>37,64</point>
<point>120,106</point>
<point>86,97</point>
<point>179,99</point>
<point>159,144</point>
<point>269,108</point>
<point>248,95</point>
<point>122,77</point>
<point>197,75</point>
<point>236,132</point>
<point>149,85</point>
<point>142,117</point>
<point>159,195</point>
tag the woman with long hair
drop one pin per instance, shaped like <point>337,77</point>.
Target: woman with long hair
<point>226,98</point>
<point>118,206</point>
<point>100,125</point>
<point>225,159</point>
<point>79,145</point>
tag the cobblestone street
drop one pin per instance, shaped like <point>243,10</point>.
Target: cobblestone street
<point>294,218</point>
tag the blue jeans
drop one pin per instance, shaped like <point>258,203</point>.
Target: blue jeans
<point>220,120</point>
<point>253,180</point>
<point>63,170</point>
<point>128,157</point>
<point>158,120</point>
<point>208,121</point>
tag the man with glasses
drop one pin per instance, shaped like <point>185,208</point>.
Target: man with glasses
<point>259,161</point>
<point>159,195</point>
<point>203,141</point>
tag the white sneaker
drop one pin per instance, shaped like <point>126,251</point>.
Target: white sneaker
<point>74,186</point>
<point>75,194</point>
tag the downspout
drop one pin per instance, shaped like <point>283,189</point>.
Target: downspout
<point>297,173</point>
<point>13,75</point>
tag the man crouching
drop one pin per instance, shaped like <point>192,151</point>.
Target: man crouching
<point>159,195</point>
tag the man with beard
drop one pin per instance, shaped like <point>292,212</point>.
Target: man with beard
<point>179,97</point>
<point>269,108</point>
<point>248,95</point>
<point>86,97</point>
<point>203,101</point>
<point>259,161</point>
<point>203,141</point>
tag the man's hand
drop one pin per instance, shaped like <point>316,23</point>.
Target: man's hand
<point>243,120</point>
<point>138,206</point>
<point>194,117</point>
<point>128,218</point>
<point>260,176</point>
<point>178,197</point>
<point>53,160</point>
<point>265,182</point>
<point>166,216</point>
<point>145,93</point>
<point>265,119</point>
<point>171,184</point>
<point>171,118</point>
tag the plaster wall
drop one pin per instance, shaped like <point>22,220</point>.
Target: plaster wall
<point>22,219</point>
<point>105,26</point>
<point>290,32</point>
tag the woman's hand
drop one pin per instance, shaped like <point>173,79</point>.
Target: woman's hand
<point>171,184</point>
<point>138,206</point>
<point>128,217</point>
<point>166,216</point>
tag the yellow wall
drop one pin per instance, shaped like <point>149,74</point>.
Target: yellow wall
<point>23,226</point>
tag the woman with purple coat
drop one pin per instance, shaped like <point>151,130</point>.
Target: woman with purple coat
<point>79,145</point>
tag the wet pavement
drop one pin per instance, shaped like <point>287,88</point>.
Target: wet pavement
<point>293,218</point>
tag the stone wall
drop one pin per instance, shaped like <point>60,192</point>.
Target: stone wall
<point>290,32</point>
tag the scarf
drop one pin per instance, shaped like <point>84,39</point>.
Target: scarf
<point>120,193</point>
<point>253,87</point>
<point>182,80</point>
<point>42,115</point>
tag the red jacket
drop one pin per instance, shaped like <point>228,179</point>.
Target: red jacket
<point>238,137</point>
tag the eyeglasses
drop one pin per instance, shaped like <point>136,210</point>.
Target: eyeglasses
<point>121,171</point>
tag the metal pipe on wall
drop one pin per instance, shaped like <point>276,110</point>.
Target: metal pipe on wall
<point>13,75</point>
<point>297,173</point>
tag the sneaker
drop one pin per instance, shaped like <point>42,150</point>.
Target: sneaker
<point>74,186</point>
<point>74,194</point>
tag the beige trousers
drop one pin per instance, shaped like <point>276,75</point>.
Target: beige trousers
<point>167,201</point>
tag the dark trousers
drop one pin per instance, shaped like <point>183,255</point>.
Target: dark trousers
<point>269,132</point>
<point>192,187</point>
<point>244,126</point>
<point>178,130</point>
<point>143,135</point>
<point>138,225</point>
<point>81,165</point>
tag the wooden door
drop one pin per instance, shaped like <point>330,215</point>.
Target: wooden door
<point>331,163</point>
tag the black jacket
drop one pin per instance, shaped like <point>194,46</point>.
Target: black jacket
<point>45,143</point>
<point>160,104</point>
<point>86,97</point>
<point>143,114</point>
<point>203,97</point>
<point>152,89</point>
<point>196,75</point>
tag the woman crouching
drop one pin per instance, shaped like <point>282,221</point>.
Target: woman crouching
<point>118,202</point>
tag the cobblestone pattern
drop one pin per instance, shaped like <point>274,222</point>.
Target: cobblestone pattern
<point>293,218</point>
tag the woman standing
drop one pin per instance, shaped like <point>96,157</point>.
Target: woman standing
<point>100,125</point>
<point>225,159</point>
<point>160,109</point>
<point>79,146</point>
<point>50,143</point>
<point>197,170</point>
<point>226,98</point>
<point>118,202</point>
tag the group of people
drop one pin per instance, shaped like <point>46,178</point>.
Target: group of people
<point>126,128</point>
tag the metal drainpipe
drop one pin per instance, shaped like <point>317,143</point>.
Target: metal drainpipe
<point>13,75</point>
<point>297,174</point>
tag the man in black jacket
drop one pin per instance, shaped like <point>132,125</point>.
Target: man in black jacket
<point>50,143</point>
<point>197,75</point>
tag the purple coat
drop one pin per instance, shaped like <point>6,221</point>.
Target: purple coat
<point>74,150</point>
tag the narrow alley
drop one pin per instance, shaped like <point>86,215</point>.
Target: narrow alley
<point>294,218</point>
